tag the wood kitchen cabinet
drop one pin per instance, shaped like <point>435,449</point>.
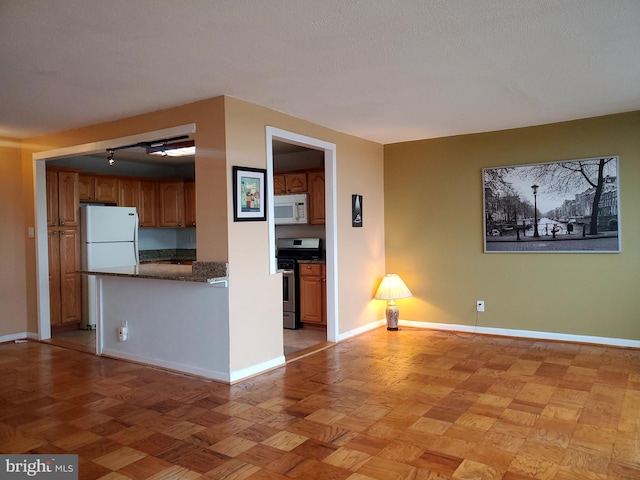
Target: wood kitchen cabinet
<point>128,192</point>
<point>189,203</point>
<point>64,283</point>
<point>63,236</point>
<point>171,203</point>
<point>148,206</point>
<point>286,183</point>
<point>62,198</point>
<point>313,294</point>
<point>98,188</point>
<point>316,184</point>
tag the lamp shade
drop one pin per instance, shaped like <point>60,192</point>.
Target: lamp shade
<point>392,288</point>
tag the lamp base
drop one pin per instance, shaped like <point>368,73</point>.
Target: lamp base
<point>392,316</point>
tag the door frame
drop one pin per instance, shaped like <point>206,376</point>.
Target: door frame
<point>40,206</point>
<point>331,244</point>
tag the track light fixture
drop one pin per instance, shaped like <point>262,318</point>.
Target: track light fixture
<point>164,147</point>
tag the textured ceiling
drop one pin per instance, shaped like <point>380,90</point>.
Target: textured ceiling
<point>384,70</point>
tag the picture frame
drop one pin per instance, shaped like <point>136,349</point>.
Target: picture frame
<point>249,194</point>
<point>568,206</point>
<point>356,210</point>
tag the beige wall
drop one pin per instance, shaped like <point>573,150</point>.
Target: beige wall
<point>434,234</point>
<point>13,241</point>
<point>256,322</point>
<point>232,132</point>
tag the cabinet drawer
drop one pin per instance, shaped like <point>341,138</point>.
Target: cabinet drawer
<point>311,269</point>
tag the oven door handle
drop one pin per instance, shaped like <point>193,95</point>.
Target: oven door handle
<point>286,271</point>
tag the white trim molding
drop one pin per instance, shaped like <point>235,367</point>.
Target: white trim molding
<point>531,334</point>
<point>357,331</point>
<point>253,370</point>
<point>18,336</point>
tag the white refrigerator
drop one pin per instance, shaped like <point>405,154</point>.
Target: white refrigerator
<point>109,238</point>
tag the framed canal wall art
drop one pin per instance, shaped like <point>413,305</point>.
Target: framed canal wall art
<point>564,206</point>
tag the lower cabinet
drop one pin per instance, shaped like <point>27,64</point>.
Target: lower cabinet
<point>313,294</point>
<point>65,289</point>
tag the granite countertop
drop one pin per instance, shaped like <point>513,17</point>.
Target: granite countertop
<point>167,255</point>
<point>203,272</point>
<point>317,260</point>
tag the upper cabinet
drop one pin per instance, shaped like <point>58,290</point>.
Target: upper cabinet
<point>189,203</point>
<point>316,198</point>
<point>128,192</point>
<point>285,183</point>
<point>98,188</point>
<point>62,198</point>
<point>171,201</point>
<point>148,206</point>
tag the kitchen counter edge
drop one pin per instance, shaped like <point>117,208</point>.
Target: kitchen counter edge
<point>202,272</point>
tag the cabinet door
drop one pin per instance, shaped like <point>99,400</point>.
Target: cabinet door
<point>68,199</point>
<point>279,187</point>
<point>128,193</point>
<point>106,189</point>
<point>311,299</point>
<point>148,207</point>
<point>316,198</point>
<point>296,182</point>
<point>171,196</point>
<point>86,187</point>
<point>52,199</point>
<point>190,204</point>
<point>53,240</point>
<point>70,287</point>
<point>311,293</point>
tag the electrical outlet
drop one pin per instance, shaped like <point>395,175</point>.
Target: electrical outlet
<point>480,305</point>
<point>123,332</point>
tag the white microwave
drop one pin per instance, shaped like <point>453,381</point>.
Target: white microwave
<point>290,209</point>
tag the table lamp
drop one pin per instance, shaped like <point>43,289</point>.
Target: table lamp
<point>391,289</point>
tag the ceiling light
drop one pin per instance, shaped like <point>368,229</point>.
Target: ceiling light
<point>178,149</point>
<point>110,157</point>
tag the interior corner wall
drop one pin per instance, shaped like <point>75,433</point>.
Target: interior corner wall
<point>13,239</point>
<point>255,303</point>
<point>434,234</point>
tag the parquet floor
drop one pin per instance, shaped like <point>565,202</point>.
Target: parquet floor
<point>412,404</point>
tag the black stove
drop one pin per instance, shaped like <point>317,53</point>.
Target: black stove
<point>290,251</point>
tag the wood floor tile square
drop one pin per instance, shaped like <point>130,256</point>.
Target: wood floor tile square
<point>144,468</point>
<point>232,446</point>
<point>470,470</point>
<point>347,458</point>
<point>119,458</point>
<point>385,469</point>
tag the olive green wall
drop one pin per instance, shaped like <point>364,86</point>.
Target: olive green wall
<point>434,234</point>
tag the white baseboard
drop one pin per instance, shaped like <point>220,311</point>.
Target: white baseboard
<point>532,334</point>
<point>173,366</point>
<point>245,373</point>
<point>17,336</point>
<point>359,330</point>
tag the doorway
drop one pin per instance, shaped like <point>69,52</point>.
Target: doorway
<point>85,343</point>
<point>291,151</point>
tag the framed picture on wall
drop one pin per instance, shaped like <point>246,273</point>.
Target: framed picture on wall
<point>555,207</point>
<point>249,194</point>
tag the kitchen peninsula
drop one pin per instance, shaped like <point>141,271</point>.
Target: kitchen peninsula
<point>177,316</point>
